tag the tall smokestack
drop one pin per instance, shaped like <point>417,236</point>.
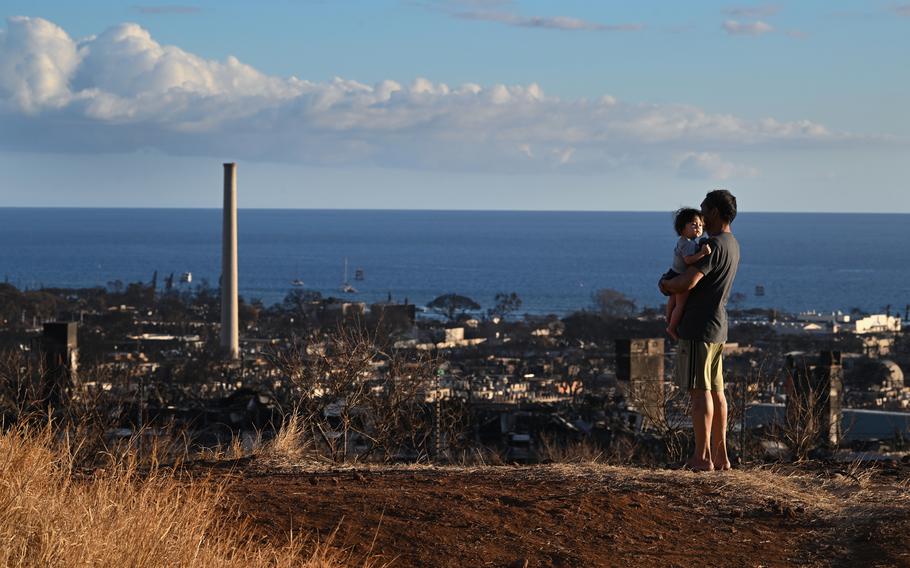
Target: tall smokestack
<point>230,336</point>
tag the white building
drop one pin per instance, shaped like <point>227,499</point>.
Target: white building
<point>879,323</point>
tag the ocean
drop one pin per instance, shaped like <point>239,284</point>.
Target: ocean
<point>553,260</point>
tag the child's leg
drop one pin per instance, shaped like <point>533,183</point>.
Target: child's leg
<point>679,306</point>
<point>671,303</point>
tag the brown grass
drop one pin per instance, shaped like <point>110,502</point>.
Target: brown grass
<point>290,446</point>
<point>582,451</point>
<point>53,515</point>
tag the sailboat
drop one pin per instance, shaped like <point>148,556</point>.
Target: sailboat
<point>297,282</point>
<point>345,285</point>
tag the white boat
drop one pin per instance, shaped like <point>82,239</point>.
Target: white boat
<point>297,282</point>
<point>345,285</point>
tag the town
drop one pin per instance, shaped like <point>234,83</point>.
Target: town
<point>396,381</point>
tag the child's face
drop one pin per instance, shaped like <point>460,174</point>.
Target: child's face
<point>694,228</point>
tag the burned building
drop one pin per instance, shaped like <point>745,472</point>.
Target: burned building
<point>815,392</point>
<point>394,316</point>
<point>60,353</point>
<point>640,368</point>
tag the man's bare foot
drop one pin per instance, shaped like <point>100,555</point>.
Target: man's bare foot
<point>672,333</point>
<point>699,465</point>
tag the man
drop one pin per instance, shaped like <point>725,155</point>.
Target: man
<point>703,332</point>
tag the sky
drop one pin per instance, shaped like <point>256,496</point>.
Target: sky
<point>456,104</point>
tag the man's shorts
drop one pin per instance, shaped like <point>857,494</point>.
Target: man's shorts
<point>699,365</point>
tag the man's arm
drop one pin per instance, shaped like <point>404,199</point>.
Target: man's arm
<point>682,283</point>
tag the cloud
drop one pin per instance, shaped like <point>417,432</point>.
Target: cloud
<point>706,165</point>
<point>502,11</point>
<point>551,23</point>
<point>123,91</point>
<point>37,60</point>
<point>168,9</point>
<point>901,10</point>
<point>756,28</point>
<point>760,11</point>
<point>563,155</point>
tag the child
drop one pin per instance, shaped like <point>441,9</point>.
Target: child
<point>689,250</point>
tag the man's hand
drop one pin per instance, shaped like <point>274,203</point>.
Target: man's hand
<point>682,283</point>
<point>706,249</point>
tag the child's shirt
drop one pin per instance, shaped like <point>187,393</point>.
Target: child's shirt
<point>684,247</point>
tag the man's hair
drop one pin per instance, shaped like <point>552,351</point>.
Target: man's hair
<point>724,202</point>
<point>683,217</point>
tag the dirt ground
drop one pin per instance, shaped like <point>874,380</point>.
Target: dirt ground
<point>588,515</point>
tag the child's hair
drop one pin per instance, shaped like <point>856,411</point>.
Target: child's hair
<point>683,217</point>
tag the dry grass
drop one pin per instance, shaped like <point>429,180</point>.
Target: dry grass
<point>52,515</point>
<point>290,446</point>
<point>581,451</point>
<point>839,496</point>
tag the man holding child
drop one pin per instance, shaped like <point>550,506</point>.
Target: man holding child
<point>702,331</point>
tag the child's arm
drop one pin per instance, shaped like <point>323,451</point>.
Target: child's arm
<point>704,251</point>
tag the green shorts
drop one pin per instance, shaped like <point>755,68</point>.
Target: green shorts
<point>699,365</point>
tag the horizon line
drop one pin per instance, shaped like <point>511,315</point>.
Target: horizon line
<point>432,210</point>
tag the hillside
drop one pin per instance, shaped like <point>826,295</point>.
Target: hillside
<point>587,515</point>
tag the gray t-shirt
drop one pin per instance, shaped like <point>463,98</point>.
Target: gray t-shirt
<point>684,247</point>
<point>705,314</point>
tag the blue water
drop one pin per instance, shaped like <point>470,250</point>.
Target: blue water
<point>553,260</point>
